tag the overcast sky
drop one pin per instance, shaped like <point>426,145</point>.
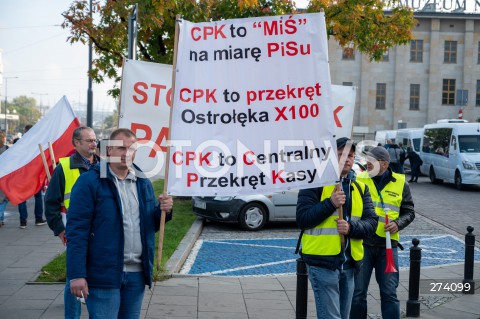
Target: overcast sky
<point>35,50</point>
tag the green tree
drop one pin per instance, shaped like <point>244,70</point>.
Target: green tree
<point>111,120</point>
<point>25,108</point>
<point>360,24</point>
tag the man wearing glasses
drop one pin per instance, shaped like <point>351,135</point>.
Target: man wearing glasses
<point>57,198</point>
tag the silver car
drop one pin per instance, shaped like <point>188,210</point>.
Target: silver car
<point>252,212</point>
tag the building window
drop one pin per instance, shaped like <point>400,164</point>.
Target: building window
<point>348,53</point>
<point>450,54</point>
<point>477,95</point>
<point>385,56</point>
<point>416,51</point>
<point>347,83</point>
<point>381,95</point>
<point>414,97</point>
<point>478,54</point>
<point>448,92</point>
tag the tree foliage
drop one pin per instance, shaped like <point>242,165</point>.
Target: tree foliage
<point>360,24</point>
<point>25,108</point>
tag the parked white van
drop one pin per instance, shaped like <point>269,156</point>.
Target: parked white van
<point>410,137</point>
<point>451,152</point>
<point>383,136</point>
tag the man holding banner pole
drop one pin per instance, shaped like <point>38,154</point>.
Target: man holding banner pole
<point>330,268</point>
<point>393,202</point>
<point>112,220</point>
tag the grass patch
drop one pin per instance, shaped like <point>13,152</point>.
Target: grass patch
<point>175,230</point>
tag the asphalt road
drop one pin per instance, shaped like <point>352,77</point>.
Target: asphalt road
<point>446,205</point>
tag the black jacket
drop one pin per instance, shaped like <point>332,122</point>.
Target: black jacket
<point>55,192</point>
<point>407,211</point>
<point>311,212</point>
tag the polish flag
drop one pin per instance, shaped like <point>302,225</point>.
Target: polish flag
<point>22,173</point>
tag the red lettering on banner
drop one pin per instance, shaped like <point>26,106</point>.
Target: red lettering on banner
<point>174,158</point>
<point>198,95</point>
<point>136,87</point>
<point>216,32</point>
<point>245,159</point>
<point>335,115</point>
<point>191,177</point>
<point>137,127</point>
<point>142,97</point>
<point>276,176</point>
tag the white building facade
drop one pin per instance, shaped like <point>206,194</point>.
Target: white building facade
<point>417,83</point>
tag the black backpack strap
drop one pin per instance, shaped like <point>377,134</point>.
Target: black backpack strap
<point>358,187</point>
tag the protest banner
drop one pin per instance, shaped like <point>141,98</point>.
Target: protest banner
<point>145,109</point>
<point>252,107</point>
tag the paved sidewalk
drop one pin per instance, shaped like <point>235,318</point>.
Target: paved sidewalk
<point>24,252</point>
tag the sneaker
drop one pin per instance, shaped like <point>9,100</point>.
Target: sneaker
<point>23,224</point>
<point>40,222</point>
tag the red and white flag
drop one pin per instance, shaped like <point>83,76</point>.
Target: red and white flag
<point>21,170</point>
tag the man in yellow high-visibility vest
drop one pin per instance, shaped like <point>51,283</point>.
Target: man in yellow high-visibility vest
<point>390,192</point>
<point>57,197</point>
<point>331,268</point>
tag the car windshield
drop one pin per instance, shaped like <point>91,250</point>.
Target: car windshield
<point>469,143</point>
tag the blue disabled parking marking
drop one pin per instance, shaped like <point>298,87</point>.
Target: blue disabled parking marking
<point>263,257</point>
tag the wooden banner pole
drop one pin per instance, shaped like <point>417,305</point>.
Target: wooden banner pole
<point>44,160</point>
<point>165,185</point>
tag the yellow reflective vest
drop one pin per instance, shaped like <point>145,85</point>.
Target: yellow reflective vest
<point>71,176</point>
<point>392,195</point>
<point>324,239</point>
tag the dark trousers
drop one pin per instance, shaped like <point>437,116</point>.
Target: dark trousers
<point>22,208</point>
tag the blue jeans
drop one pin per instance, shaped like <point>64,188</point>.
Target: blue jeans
<point>72,307</point>
<point>3,206</point>
<point>125,302</point>
<point>375,258</point>
<point>22,208</point>
<point>333,290</point>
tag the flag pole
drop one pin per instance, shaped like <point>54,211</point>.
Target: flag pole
<point>44,160</point>
<point>52,155</point>
<point>167,166</point>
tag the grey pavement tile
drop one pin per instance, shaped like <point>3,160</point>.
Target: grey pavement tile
<point>38,304</point>
<point>266,305</point>
<point>9,286</point>
<point>20,313</point>
<point>178,282</point>
<point>467,304</point>
<point>36,294</point>
<point>266,295</point>
<point>273,314</point>
<point>445,313</point>
<point>221,302</point>
<point>170,311</point>
<point>175,301</point>
<point>232,288</point>
<point>174,291</point>
<point>21,274</point>
<point>216,315</point>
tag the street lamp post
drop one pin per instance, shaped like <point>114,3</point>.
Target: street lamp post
<point>42,111</point>
<point>6,82</point>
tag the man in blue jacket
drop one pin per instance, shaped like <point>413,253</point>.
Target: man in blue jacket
<point>330,264</point>
<point>111,225</point>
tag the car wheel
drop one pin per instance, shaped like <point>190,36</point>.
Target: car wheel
<point>252,217</point>
<point>433,177</point>
<point>458,180</point>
